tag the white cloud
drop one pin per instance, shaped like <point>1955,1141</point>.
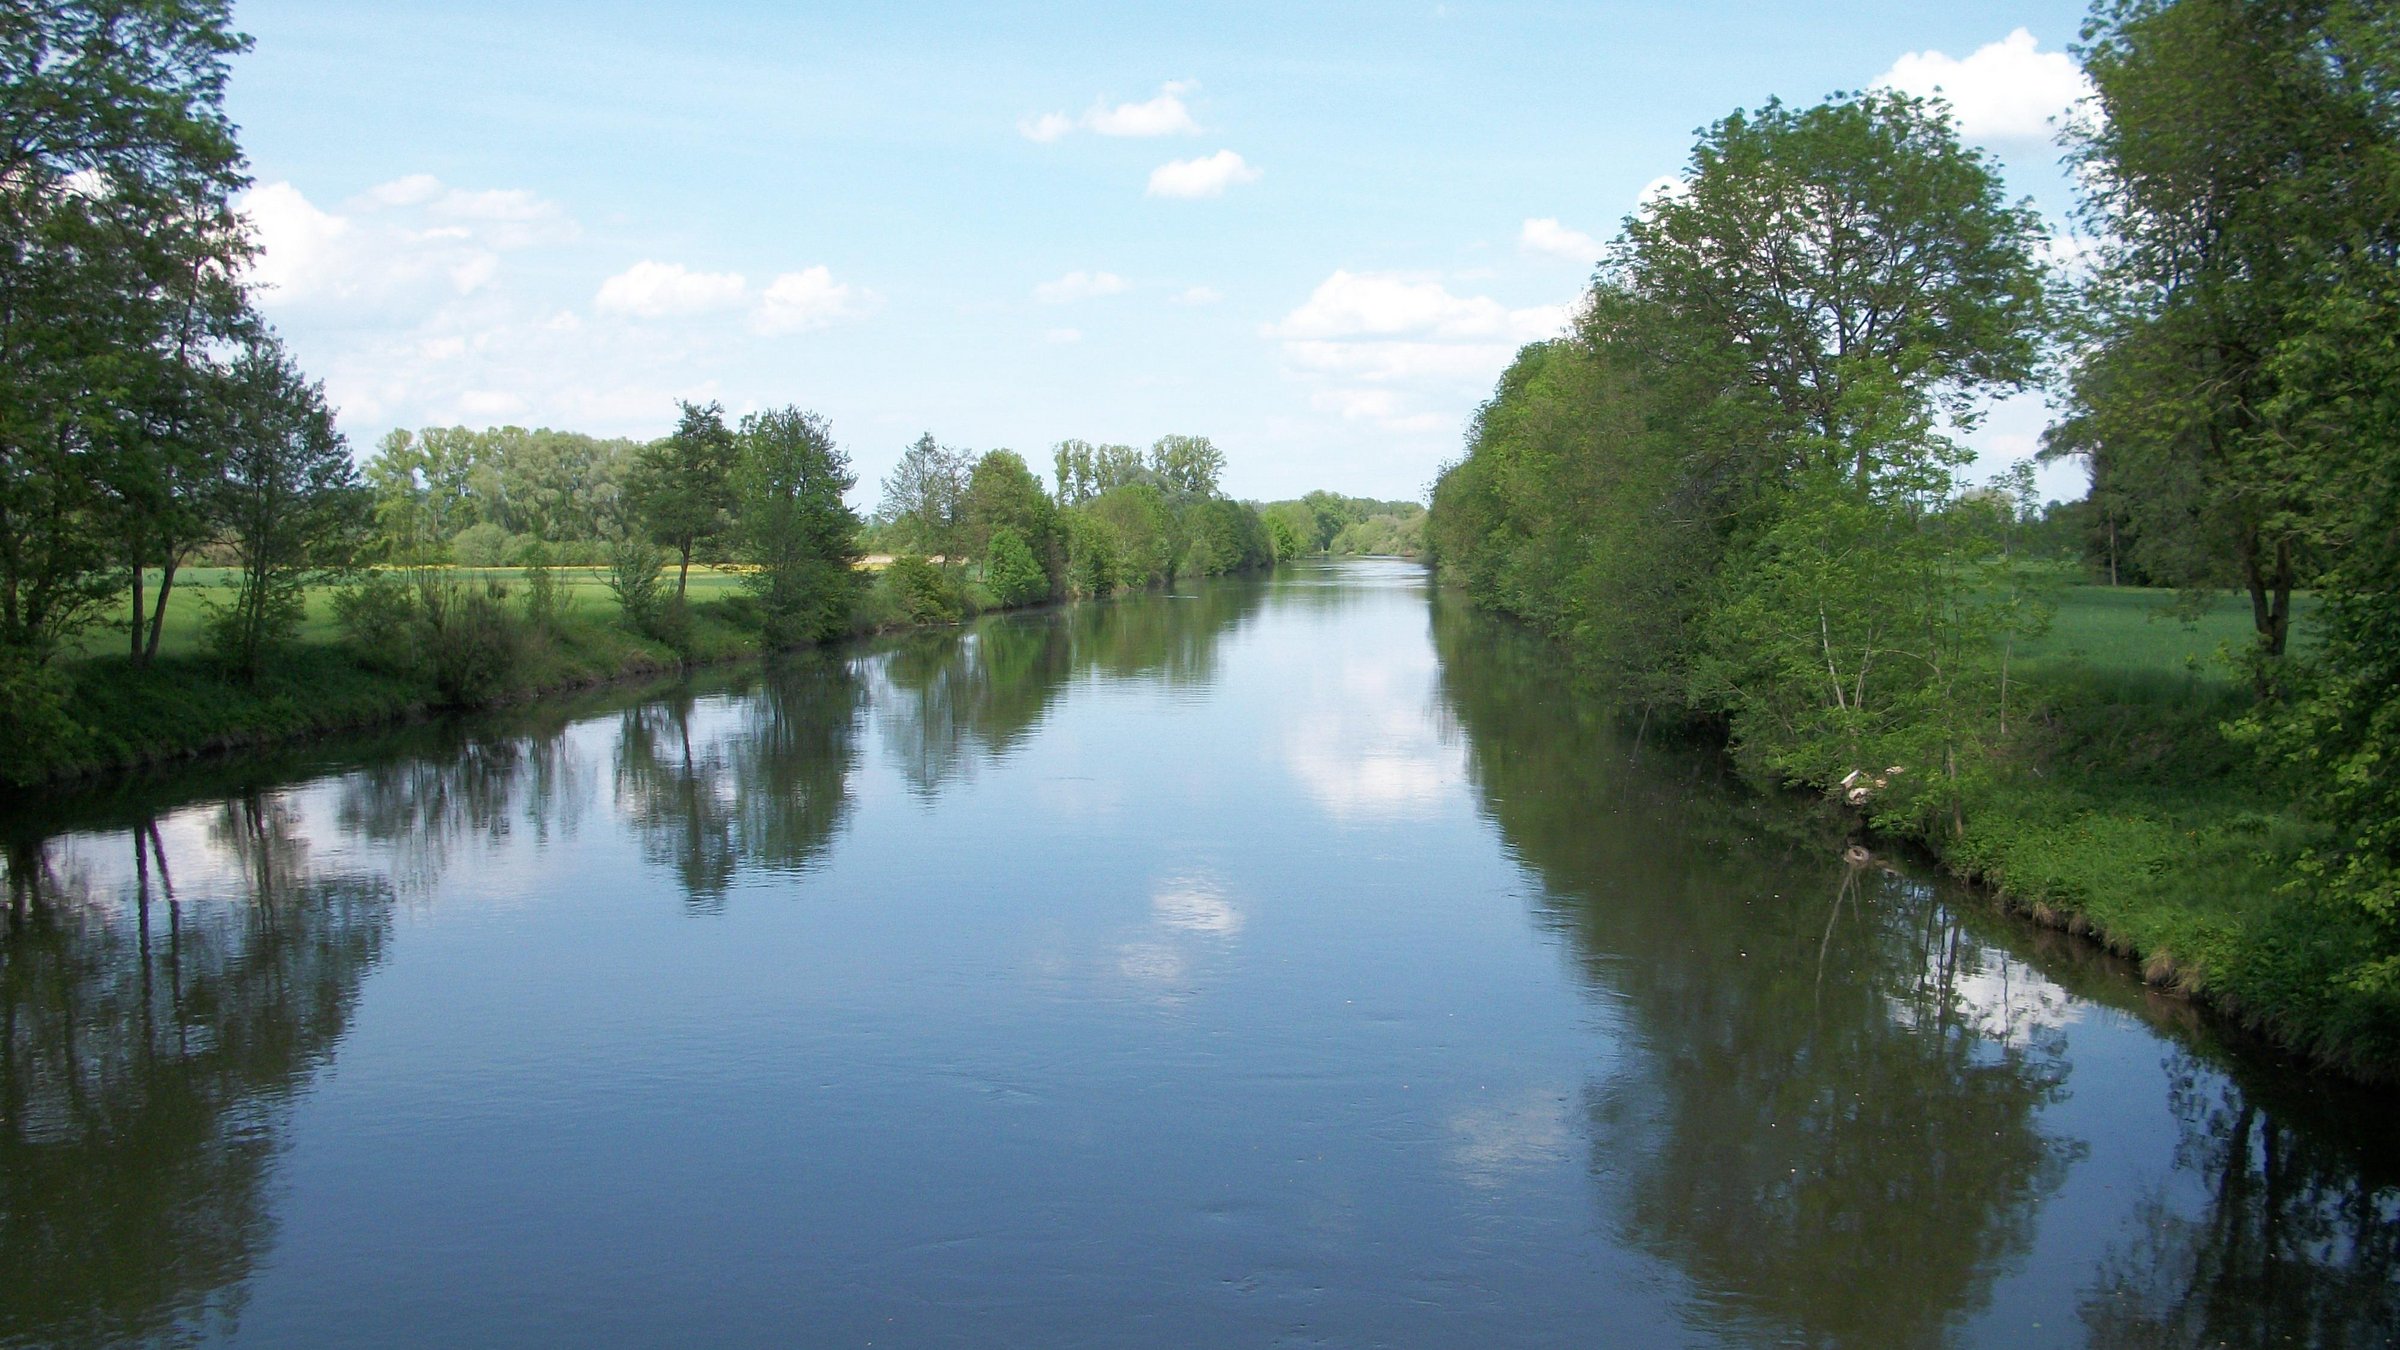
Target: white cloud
<point>656,290</point>
<point>1164,115</point>
<point>2008,90</point>
<point>1199,295</point>
<point>795,302</point>
<point>1207,176</point>
<point>1468,364</point>
<point>406,243</point>
<point>1391,304</point>
<point>1666,187</point>
<point>1047,127</point>
<point>1079,286</point>
<point>1401,351</point>
<point>1543,234</point>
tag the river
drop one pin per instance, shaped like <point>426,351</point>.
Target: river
<point>1296,961</point>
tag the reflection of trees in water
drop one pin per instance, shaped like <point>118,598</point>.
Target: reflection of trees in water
<point>765,786</point>
<point>2296,1243</point>
<point>949,700</point>
<point>148,1044</point>
<point>426,807</point>
<point>1820,1088</point>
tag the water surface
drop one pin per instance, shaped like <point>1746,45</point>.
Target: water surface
<point>1295,961</point>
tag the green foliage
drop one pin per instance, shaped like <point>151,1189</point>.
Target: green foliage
<point>1223,536</point>
<point>291,499</point>
<point>796,531</point>
<point>430,485</point>
<point>544,599</point>
<point>482,544</point>
<point>2239,158</point>
<point>377,616</point>
<point>1010,569</point>
<point>1003,494</point>
<point>33,710</point>
<point>634,568</point>
<point>921,592</point>
<point>1093,556</point>
<point>681,488</point>
<point>1726,487</point>
<point>120,259</point>
<point>925,499</point>
<point>470,646</point>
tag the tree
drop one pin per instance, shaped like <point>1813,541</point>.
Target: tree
<point>1187,466</point>
<point>1015,576</point>
<point>1852,263</point>
<point>1730,486</point>
<point>2229,170</point>
<point>925,498</point>
<point>290,499</point>
<point>682,487</point>
<point>118,249</point>
<point>1003,494</point>
<point>795,527</point>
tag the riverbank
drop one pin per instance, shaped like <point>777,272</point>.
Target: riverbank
<point>114,716</point>
<point>2126,815</point>
<point>182,706</point>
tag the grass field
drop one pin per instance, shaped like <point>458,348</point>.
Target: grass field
<point>2129,631</point>
<point>2134,815</point>
<point>196,588</point>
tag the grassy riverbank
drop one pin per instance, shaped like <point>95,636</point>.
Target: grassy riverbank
<point>2130,816</point>
<point>185,703</point>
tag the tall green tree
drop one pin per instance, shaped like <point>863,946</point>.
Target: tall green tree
<point>1003,494</point>
<point>289,498</point>
<point>118,252</point>
<point>925,498</point>
<point>681,488</point>
<point>801,536</point>
<point>2228,165</point>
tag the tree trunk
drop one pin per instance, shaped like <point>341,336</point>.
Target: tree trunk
<point>136,626</point>
<point>158,619</point>
<point>683,572</point>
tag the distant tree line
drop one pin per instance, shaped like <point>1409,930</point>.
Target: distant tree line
<point>1731,485</point>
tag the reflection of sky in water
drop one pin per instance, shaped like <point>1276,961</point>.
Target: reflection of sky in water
<point>1494,1144</point>
<point>1369,752</point>
<point>1990,994</point>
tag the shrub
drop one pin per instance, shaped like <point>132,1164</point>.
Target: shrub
<point>1010,569</point>
<point>634,566</point>
<point>484,545</point>
<point>472,646</point>
<point>378,618</point>
<point>33,698</point>
<point>543,600</point>
<point>921,592</point>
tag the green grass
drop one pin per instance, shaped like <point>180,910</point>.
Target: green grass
<point>585,590</point>
<point>2130,632</point>
<point>2132,816</point>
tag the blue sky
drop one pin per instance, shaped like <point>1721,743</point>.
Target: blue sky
<point>1313,234</point>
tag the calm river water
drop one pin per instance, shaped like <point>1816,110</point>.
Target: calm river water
<point>1300,961</point>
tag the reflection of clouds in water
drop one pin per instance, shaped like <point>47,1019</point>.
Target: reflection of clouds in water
<point>1495,1141</point>
<point>1196,905</point>
<point>1999,998</point>
<point>1189,917</point>
<point>1371,751</point>
<point>1154,965</point>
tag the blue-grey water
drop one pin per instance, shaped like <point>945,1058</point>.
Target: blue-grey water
<point>1294,961</point>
